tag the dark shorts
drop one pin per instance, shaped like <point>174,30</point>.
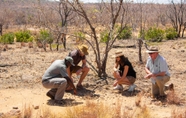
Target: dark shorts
<point>74,69</point>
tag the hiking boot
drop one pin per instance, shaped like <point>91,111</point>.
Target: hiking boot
<point>59,102</point>
<point>50,95</point>
<point>118,87</point>
<point>163,97</point>
<point>132,87</point>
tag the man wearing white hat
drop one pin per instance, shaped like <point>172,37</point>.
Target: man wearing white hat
<point>157,70</point>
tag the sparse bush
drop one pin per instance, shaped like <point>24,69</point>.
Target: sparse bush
<point>154,34</point>
<point>170,33</point>
<point>125,33</point>
<point>141,33</point>
<point>80,36</point>
<point>7,38</point>
<point>104,36</point>
<point>23,36</point>
<point>173,98</point>
<point>45,36</point>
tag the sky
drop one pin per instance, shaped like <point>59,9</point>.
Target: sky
<point>135,1</point>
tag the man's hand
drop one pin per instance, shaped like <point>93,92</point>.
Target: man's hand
<point>150,75</point>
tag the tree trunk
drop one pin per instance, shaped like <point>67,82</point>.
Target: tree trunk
<point>140,42</point>
<point>50,47</point>
<point>183,29</point>
<point>57,46</point>
<point>1,29</point>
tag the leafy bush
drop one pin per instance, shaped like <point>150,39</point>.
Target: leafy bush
<point>125,33</point>
<point>154,34</point>
<point>23,36</point>
<point>170,33</point>
<point>45,36</point>
<point>104,36</point>
<point>80,36</point>
<point>7,38</point>
<point>141,33</point>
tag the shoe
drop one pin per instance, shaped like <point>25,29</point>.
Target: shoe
<point>59,102</point>
<point>163,97</point>
<point>50,95</point>
<point>132,87</point>
<point>118,87</point>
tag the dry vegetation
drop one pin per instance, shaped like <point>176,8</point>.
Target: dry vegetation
<point>23,95</point>
<point>23,64</point>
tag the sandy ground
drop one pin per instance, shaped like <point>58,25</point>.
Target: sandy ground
<point>22,68</point>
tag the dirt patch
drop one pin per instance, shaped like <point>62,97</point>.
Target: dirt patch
<point>21,69</point>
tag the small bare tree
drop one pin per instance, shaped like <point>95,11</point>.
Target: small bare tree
<point>176,14</point>
<point>114,9</point>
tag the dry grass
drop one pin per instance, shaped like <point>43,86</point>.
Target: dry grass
<point>178,113</point>
<point>47,113</point>
<point>138,99</point>
<point>27,111</point>
<point>90,110</point>
<point>144,112</point>
<point>174,98</point>
<point>93,109</point>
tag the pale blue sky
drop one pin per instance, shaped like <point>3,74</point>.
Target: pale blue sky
<point>136,1</point>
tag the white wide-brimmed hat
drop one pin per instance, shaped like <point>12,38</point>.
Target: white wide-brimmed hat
<point>118,53</point>
<point>152,50</point>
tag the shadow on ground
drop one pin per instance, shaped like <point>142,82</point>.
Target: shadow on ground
<point>68,102</point>
<point>86,93</point>
<point>130,94</point>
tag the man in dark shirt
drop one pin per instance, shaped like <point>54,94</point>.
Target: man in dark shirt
<point>79,55</point>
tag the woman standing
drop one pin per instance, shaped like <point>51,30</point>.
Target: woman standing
<point>124,72</point>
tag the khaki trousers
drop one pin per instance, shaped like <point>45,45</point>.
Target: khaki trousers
<point>57,87</point>
<point>158,87</point>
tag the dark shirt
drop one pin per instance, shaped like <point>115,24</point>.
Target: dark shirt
<point>131,71</point>
<point>76,56</point>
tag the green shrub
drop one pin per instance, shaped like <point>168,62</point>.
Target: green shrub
<point>46,36</point>
<point>80,35</point>
<point>141,33</point>
<point>125,33</point>
<point>23,36</point>
<point>104,36</point>
<point>154,34</point>
<point>7,38</point>
<point>170,33</point>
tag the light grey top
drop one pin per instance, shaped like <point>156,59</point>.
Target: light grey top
<point>56,69</point>
<point>159,65</point>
